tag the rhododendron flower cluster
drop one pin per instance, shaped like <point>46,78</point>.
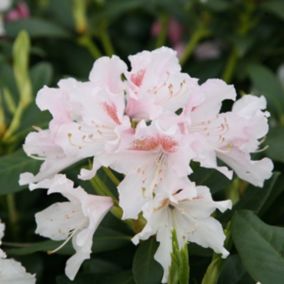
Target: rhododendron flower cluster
<point>148,123</point>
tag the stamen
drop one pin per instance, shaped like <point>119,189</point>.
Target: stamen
<point>64,243</point>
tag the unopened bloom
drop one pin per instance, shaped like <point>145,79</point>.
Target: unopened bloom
<point>76,219</point>
<point>187,213</point>
<point>11,271</point>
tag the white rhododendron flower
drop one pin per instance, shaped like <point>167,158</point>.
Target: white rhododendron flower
<point>148,122</point>
<point>231,136</point>
<point>189,215</point>
<point>76,219</point>
<point>11,271</point>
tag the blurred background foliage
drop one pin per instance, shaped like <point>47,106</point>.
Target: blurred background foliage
<point>241,41</point>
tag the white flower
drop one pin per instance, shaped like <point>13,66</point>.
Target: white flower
<point>11,271</point>
<point>76,219</point>
<point>189,216</point>
<point>156,157</point>
<point>5,5</point>
<point>156,85</point>
<point>88,121</point>
<point>231,136</point>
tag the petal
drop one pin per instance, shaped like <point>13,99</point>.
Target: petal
<point>74,263</point>
<point>131,198</point>
<point>86,174</point>
<point>255,172</point>
<point>209,233</point>
<point>107,72</point>
<point>59,220</point>
<point>215,92</point>
<point>163,253</point>
<point>13,272</point>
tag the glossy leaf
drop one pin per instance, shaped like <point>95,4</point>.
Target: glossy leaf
<point>274,141</point>
<point>41,75</point>
<point>117,278</point>
<point>267,84</point>
<point>145,269</point>
<point>36,28</point>
<point>261,247</point>
<point>11,166</point>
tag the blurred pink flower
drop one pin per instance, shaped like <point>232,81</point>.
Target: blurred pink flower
<point>21,11</point>
<point>175,32</point>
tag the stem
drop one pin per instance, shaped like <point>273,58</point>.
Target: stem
<point>106,41</point>
<point>2,117</point>
<point>164,22</point>
<point>111,176</point>
<point>231,65</point>
<point>12,213</point>
<point>87,42</point>
<point>233,192</point>
<point>196,37</point>
<point>104,188</point>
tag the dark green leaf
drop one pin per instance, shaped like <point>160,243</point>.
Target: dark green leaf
<point>211,178</point>
<point>275,7</point>
<point>233,272</point>
<point>41,74</point>
<point>36,28</point>
<point>274,141</point>
<point>11,166</point>
<point>107,239</point>
<point>100,266</point>
<point>261,247</point>
<point>118,278</point>
<point>43,246</point>
<point>267,84</point>
<point>256,199</point>
<point>145,269</point>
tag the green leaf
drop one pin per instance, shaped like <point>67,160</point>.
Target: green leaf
<point>275,140</point>
<point>36,28</point>
<point>41,75</point>
<point>7,79</point>
<point>276,7</point>
<point>260,246</point>
<point>96,265</point>
<point>233,272</point>
<point>107,239</point>
<point>43,246</point>
<point>124,277</point>
<point>257,199</point>
<point>218,5</point>
<point>267,84</point>
<point>145,269</point>
<point>11,166</point>
<point>211,178</point>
